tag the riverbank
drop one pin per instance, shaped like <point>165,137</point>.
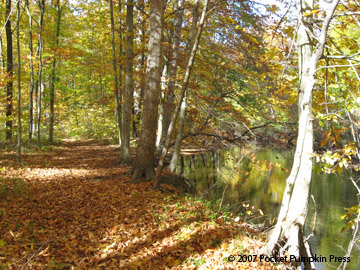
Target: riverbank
<point>70,208</point>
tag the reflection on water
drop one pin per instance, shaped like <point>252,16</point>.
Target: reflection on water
<point>238,179</point>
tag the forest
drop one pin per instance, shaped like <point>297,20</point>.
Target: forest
<point>177,134</point>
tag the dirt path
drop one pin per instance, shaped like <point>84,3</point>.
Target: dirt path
<point>70,208</point>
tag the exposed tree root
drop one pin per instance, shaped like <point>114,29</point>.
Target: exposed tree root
<point>295,244</point>
<point>141,174</point>
<point>122,161</point>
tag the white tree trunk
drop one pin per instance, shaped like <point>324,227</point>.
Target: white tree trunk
<point>161,109</point>
<point>288,234</point>
<point>179,136</point>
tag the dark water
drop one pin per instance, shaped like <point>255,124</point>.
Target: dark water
<point>252,184</point>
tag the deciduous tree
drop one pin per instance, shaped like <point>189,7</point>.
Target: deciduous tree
<point>129,85</point>
<point>144,163</point>
<point>53,73</point>
<point>40,83</point>
<point>19,140</point>
<point>185,82</point>
<point>31,66</point>
<point>10,71</point>
<point>289,231</point>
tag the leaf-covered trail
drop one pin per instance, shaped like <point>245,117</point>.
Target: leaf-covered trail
<point>70,208</point>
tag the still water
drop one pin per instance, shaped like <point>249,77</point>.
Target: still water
<point>253,184</point>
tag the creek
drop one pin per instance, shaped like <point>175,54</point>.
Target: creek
<point>252,185</point>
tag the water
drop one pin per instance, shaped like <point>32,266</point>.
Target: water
<point>252,184</point>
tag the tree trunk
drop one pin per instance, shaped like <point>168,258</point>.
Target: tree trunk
<point>161,109</point>
<point>2,66</point>
<point>116,82</point>
<point>129,88</point>
<point>10,71</point>
<point>193,26</point>
<point>53,70</point>
<point>181,96</point>
<point>36,88</point>
<point>138,101</point>
<point>288,235</point>
<point>144,163</point>
<point>2,61</point>
<point>40,83</point>
<point>179,137</point>
<point>169,103</point>
<point>19,82</point>
<point>121,71</point>
<point>31,93</point>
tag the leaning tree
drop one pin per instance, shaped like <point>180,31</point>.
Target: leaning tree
<point>288,235</point>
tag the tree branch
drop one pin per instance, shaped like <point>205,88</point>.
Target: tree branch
<point>324,29</point>
<point>344,56</point>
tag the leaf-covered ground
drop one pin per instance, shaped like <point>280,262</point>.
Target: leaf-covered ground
<point>70,208</point>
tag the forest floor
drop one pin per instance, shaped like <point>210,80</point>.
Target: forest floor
<point>69,207</point>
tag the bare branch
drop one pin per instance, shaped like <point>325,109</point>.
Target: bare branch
<point>335,66</point>
<point>344,56</point>
<point>348,14</point>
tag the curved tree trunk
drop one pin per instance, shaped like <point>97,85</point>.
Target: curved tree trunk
<point>288,235</point>
<point>144,163</point>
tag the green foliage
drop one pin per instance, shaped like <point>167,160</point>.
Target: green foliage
<point>352,217</point>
